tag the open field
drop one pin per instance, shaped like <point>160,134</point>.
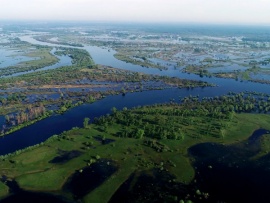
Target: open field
<point>48,166</point>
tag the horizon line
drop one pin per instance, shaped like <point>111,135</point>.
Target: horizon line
<point>131,22</point>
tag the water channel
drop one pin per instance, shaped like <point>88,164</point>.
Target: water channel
<point>42,130</point>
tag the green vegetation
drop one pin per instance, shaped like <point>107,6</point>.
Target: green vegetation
<point>45,82</point>
<point>47,38</point>
<point>141,61</point>
<point>247,75</point>
<point>199,70</point>
<point>265,146</point>
<point>3,190</point>
<point>208,117</point>
<point>80,75</point>
<point>144,138</point>
<point>80,57</point>
<point>25,123</point>
<point>42,57</point>
<point>136,140</point>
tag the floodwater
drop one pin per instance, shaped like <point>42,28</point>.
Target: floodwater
<point>227,173</point>
<point>11,57</point>
<point>63,61</point>
<point>56,124</point>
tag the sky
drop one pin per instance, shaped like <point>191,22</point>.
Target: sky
<point>175,11</point>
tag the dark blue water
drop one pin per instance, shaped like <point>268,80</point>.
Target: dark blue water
<point>234,175</point>
<point>256,135</point>
<point>42,130</point>
<point>105,57</point>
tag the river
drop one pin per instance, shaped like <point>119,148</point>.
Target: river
<point>42,130</point>
<point>105,57</point>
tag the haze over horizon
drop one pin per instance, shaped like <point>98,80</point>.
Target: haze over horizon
<point>175,11</point>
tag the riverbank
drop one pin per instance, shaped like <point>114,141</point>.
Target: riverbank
<point>109,138</point>
<point>12,129</point>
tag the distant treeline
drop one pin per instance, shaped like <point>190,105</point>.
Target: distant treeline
<point>257,39</point>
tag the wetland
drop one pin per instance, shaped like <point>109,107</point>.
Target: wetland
<point>134,114</point>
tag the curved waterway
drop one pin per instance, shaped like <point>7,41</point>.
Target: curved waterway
<point>42,130</point>
<point>105,57</point>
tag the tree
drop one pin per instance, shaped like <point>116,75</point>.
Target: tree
<point>139,134</point>
<point>222,132</point>
<point>86,122</point>
<point>114,110</point>
<point>7,118</point>
<point>181,135</point>
<point>105,127</point>
<point>91,99</point>
<point>123,91</point>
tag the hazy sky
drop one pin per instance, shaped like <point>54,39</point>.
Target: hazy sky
<point>211,11</point>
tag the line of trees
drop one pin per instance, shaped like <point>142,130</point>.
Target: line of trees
<point>207,116</point>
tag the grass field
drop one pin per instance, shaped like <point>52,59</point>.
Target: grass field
<point>44,56</point>
<point>33,170</point>
<point>3,189</point>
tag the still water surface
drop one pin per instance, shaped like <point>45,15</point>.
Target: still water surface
<point>42,130</point>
